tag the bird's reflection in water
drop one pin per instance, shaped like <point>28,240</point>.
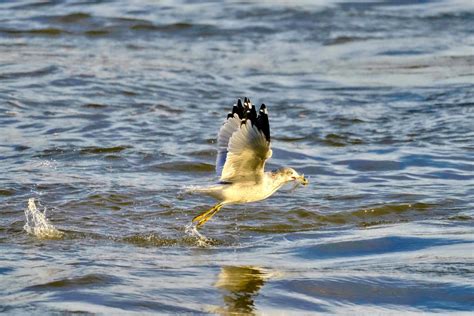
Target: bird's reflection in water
<point>240,286</point>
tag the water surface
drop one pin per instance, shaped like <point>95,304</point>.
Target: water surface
<point>108,109</point>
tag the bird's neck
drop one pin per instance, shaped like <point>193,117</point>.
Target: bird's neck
<point>273,182</point>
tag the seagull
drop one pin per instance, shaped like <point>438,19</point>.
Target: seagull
<point>243,147</point>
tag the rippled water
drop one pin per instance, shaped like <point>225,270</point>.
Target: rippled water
<point>110,108</point>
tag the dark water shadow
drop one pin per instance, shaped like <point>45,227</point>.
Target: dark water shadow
<point>384,292</point>
<point>375,246</point>
<point>89,281</point>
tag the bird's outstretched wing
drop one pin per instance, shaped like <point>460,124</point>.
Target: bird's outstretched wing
<point>243,143</point>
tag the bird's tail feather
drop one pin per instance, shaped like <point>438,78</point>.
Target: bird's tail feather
<point>202,218</point>
<point>213,191</point>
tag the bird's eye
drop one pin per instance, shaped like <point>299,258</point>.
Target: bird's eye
<point>294,178</point>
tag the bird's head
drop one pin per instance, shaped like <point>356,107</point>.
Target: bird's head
<point>290,174</point>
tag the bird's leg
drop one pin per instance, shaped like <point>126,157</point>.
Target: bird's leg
<point>205,216</point>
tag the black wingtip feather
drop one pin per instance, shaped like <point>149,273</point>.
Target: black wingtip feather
<point>262,121</point>
<point>253,114</point>
<point>239,109</point>
<point>247,111</point>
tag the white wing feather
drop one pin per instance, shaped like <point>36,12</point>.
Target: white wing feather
<point>247,151</point>
<point>230,126</point>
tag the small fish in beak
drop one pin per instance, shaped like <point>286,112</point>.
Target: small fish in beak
<point>303,180</point>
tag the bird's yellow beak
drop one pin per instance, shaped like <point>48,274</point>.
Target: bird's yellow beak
<point>303,180</point>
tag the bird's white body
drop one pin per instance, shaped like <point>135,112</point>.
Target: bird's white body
<point>245,191</point>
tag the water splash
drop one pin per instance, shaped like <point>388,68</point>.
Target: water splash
<point>38,225</point>
<point>201,240</point>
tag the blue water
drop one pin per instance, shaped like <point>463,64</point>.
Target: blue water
<point>110,109</point>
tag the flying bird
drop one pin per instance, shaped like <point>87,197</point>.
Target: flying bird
<point>243,147</point>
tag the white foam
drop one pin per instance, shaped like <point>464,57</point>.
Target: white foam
<point>201,240</point>
<point>38,225</point>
